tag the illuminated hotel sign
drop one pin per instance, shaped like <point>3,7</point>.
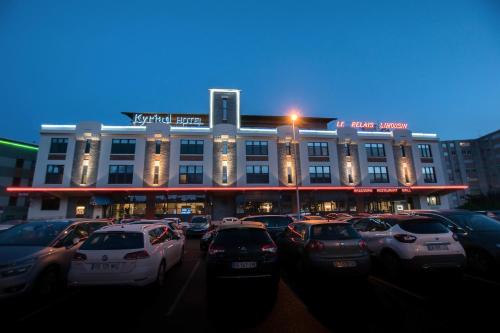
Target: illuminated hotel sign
<point>372,125</point>
<point>141,119</point>
<point>382,190</point>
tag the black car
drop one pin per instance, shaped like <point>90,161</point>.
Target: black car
<point>206,239</point>
<point>242,252</point>
<point>478,234</point>
<point>275,224</point>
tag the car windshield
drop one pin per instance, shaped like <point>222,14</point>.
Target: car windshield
<point>39,233</point>
<point>423,227</point>
<point>199,219</point>
<point>236,236</point>
<point>474,221</point>
<point>333,232</point>
<point>114,241</point>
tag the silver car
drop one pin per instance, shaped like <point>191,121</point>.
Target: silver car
<point>36,255</point>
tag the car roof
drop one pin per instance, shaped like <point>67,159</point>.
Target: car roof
<point>275,215</point>
<point>401,218</point>
<point>129,227</point>
<point>249,225</point>
<point>322,222</point>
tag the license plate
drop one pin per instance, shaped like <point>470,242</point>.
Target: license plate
<point>343,264</point>
<point>107,267</point>
<point>437,247</point>
<point>244,264</point>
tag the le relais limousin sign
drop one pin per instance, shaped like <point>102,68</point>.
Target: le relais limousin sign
<point>372,125</point>
<point>141,119</point>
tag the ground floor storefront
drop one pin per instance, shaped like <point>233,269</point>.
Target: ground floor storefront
<point>142,203</point>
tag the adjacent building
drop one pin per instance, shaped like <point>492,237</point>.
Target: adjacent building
<point>225,163</point>
<point>473,162</point>
<point>17,165</point>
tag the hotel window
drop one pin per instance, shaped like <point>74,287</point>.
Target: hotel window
<point>288,148</point>
<point>58,145</point>
<point>257,174</point>
<point>192,147</point>
<point>425,150</point>
<point>121,174</point>
<point>123,146</point>
<point>289,174</point>
<point>224,109</point>
<point>378,174</point>
<point>85,170</point>
<point>317,148</point>
<point>429,174</point>
<point>157,147</point>
<point>50,203</point>
<point>19,163</point>
<point>156,173</point>
<point>191,174</point>
<point>87,146</point>
<point>224,147</point>
<point>256,148</point>
<point>434,200</point>
<point>224,174</point>
<point>54,174</point>
<point>320,174</point>
<point>375,149</point>
<point>347,149</point>
<point>407,177</point>
<point>403,151</point>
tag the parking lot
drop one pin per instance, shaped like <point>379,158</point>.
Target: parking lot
<point>408,304</point>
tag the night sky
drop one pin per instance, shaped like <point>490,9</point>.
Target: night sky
<point>434,64</point>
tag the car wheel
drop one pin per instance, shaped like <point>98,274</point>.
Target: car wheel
<point>160,279</point>
<point>391,262</point>
<point>480,261</point>
<point>48,282</point>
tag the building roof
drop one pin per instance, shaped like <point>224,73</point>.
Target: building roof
<point>275,121</point>
<point>18,144</point>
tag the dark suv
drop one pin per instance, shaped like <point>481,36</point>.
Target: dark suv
<point>242,252</point>
<point>275,224</point>
<point>478,234</point>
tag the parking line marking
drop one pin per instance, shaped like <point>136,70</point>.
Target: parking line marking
<point>48,306</point>
<point>482,279</point>
<point>405,291</point>
<point>183,289</point>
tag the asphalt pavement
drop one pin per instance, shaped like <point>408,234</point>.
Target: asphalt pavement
<point>411,303</point>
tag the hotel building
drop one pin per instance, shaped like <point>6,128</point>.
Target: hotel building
<point>228,164</point>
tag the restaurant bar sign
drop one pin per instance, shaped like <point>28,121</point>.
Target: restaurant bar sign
<point>173,119</point>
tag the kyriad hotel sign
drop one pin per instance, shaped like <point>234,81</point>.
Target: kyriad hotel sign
<point>141,119</point>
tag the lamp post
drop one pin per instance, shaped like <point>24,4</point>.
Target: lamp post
<point>294,117</point>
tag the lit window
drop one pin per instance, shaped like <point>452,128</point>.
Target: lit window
<point>433,200</point>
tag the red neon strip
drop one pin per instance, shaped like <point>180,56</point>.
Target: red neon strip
<point>223,189</point>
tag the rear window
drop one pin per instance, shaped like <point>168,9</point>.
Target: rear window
<point>114,241</point>
<point>272,221</point>
<point>424,227</point>
<point>231,237</point>
<point>199,219</point>
<point>333,232</point>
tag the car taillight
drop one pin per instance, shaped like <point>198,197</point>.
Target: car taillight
<point>269,248</point>
<point>136,255</point>
<point>77,256</point>
<point>403,238</point>
<point>315,246</point>
<point>215,249</point>
<point>455,237</point>
<point>362,244</point>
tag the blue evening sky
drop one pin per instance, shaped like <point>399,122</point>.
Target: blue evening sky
<point>434,64</point>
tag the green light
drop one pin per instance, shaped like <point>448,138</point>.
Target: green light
<point>18,145</point>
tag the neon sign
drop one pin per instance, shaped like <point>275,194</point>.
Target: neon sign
<point>372,125</point>
<point>141,119</point>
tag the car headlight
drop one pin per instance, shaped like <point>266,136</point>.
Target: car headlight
<point>19,267</point>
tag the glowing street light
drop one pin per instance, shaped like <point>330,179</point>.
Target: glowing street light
<point>294,116</point>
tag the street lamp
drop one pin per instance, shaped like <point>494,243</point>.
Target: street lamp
<point>294,117</point>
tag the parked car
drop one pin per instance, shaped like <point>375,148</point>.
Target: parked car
<point>324,247</point>
<point>171,225</point>
<point>227,220</point>
<point>198,225</point>
<point>411,242</point>
<point>494,214</point>
<point>132,254</point>
<point>275,224</point>
<point>242,251</point>
<point>207,238</point>
<point>478,234</point>
<point>36,255</point>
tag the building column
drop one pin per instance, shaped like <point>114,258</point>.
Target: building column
<point>150,206</point>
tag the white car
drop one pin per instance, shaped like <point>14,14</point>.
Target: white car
<point>131,254</point>
<point>229,220</point>
<point>415,243</point>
